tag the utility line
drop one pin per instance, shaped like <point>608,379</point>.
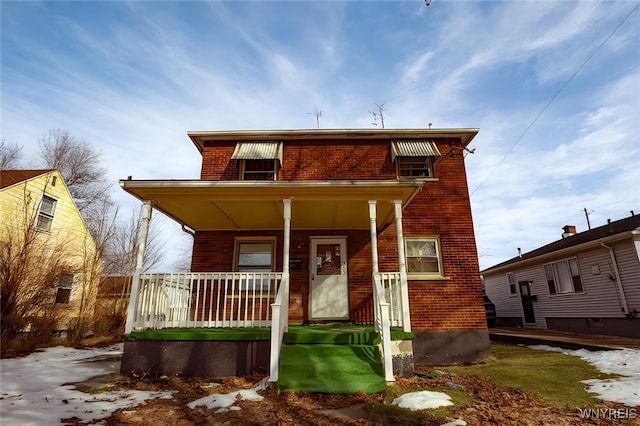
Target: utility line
<point>553,99</point>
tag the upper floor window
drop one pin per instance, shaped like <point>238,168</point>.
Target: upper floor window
<point>414,158</point>
<point>258,160</point>
<point>564,277</point>
<point>423,256</point>
<point>511,281</point>
<point>415,166</point>
<point>46,212</point>
<point>258,169</point>
<point>63,290</point>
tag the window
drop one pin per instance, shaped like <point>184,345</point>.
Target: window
<point>63,290</point>
<point>258,170</point>
<point>415,167</point>
<point>511,281</point>
<point>563,277</point>
<point>423,256</point>
<point>45,214</point>
<point>255,256</point>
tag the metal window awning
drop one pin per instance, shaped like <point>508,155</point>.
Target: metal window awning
<point>258,150</point>
<point>413,148</point>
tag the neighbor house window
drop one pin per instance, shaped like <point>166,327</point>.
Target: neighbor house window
<point>258,169</point>
<point>412,167</point>
<point>45,214</point>
<point>63,290</point>
<point>511,281</point>
<point>255,256</point>
<point>423,256</point>
<point>563,277</point>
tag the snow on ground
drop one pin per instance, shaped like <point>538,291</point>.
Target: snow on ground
<point>422,400</point>
<point>38,389</point>
<point>625,362</point>
<point>224,401</point>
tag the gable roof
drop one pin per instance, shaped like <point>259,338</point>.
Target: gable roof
<point>621,226</point>
<point>11,177</point>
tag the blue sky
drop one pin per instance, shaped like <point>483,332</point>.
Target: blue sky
<point>133,77</point>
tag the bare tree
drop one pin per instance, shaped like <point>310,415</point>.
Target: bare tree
<point>10,155</point>
<point>79,165</point>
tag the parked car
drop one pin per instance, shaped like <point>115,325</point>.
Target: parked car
<point>490,309</point>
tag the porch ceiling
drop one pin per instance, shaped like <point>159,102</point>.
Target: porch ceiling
<point>243,205</point>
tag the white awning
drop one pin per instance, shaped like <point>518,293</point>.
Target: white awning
<point>413,148</point>
<point>256,150</point>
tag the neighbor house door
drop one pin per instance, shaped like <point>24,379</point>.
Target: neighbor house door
<point>328,277</point>
<point>527,302</point>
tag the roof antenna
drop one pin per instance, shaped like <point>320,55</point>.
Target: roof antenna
<point>378,114</point>
<point>318,114</point>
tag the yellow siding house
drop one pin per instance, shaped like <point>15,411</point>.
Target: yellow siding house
<point>49,261</point>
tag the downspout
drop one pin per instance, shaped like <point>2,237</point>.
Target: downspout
<point>188,230</point>
<point>618,281</point>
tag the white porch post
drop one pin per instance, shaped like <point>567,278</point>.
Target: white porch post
<point>382,322</point>
<point>374,236</point>
<point>287,235</point>
<point>143,233</point>
<point>402,260</point>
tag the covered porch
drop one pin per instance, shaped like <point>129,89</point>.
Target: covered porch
<point>246,299</point>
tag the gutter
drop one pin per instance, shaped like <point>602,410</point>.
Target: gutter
<point>616,279</point>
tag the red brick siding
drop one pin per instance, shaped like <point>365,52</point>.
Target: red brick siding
<point>441,209</point>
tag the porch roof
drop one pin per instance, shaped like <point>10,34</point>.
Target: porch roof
<point>253,205</point>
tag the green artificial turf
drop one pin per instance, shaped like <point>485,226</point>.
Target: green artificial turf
<point>328,368</point>
<point>203,333</point>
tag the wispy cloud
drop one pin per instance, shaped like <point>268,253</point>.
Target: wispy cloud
<point>134,77</point>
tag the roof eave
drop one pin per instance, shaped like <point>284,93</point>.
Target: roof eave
<point>543,257</point>
<point>198,137</point>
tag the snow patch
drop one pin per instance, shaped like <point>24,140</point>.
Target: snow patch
<point>422,400</point>
<point>625,362</point>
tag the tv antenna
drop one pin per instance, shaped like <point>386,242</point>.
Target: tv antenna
<point>318,114</point>
<point>378,114</point>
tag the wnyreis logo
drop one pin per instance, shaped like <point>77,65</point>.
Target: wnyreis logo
<point>608,413</point>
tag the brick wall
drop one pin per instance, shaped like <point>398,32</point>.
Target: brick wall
<point>442,209</point>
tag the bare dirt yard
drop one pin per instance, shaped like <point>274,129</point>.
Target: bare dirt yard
<point>487,404</point>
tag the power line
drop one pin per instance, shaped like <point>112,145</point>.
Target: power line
<point>554,98</point>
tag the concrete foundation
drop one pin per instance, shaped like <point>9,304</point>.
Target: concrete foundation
<point>195,358</point>
<point>450,347</point>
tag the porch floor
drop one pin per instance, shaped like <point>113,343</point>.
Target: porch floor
<point>327,333</point>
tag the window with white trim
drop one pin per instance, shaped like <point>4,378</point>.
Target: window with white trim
<point>412,167</point>
<point>45,213</point>
<point>255,256</point>
<point>258,169</point>
<point>511,281</point>
<point>422,256</point>
<point>63,289</point>
<point>564,277</point>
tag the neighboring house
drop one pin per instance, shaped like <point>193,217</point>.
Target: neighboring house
<point>586,282</point>
<point>347,226</point>
<point>51,266</point>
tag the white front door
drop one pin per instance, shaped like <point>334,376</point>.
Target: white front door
<point>329,285</point>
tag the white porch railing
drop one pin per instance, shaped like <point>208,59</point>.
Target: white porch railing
<point>211,299</point>
<point>382,323</point>
<point>391,283</point>
<point>280,325</point>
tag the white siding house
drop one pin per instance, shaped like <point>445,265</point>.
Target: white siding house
<point>587,282</point>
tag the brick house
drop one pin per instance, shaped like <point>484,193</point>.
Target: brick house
<point>351,226</point>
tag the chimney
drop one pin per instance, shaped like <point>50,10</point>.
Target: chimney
<point>569,230</point>
<point>519,252</point>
